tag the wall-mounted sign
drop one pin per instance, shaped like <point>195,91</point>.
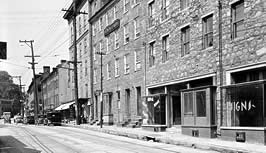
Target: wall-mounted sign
<point>112,27</point>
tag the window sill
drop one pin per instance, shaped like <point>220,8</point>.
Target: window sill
<point>135,5</point>
<point>136,38</point>
<point>125,12</point>
<point>165,20</point>
<point>126,43</point>
<point>117,76</point>
<point>237,39</point>
<point>126,73</point>
<point>208,48</point>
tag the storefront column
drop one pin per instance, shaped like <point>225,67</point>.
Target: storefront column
<point>167,107</point>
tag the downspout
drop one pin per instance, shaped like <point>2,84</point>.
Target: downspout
<point>220,60</point>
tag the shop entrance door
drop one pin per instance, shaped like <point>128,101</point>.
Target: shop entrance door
<point>176,110</point>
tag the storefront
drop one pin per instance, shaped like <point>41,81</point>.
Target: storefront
<point>198,111</point>
<point>245,117</point>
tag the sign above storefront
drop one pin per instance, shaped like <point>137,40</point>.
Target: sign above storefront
<point>112,27</point>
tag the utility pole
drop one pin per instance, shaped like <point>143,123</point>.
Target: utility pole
<point>101,96</point>
<point>36,105</point>
<point>74,15</point>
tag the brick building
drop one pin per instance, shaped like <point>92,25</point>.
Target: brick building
<point>118,32</point>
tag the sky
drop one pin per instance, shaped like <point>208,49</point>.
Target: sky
<point>38,20</point>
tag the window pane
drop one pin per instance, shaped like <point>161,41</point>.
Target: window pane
<point>201,103</point>
<point>240,28</point>
<point>188,103</point>
<point>245,104</point>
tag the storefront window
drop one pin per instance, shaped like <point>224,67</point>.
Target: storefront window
<point>245,105</point>
<point>201,103</point>
<point>188,102</point>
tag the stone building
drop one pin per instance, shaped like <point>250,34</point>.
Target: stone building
<point>118,32</point>
<point>191,60</point>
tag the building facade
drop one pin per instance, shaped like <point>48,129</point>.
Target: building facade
<point>118,29</point>
<point>83,65</point>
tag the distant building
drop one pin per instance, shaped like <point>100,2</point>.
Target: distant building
<point>6,105</point>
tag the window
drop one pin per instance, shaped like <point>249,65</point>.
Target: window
<point>93,30</point>
<point>116,67</point>
<point>126,34</point>
<point>115,13</point>
<point>107,44</point>
<point>108,68</point>
<point>165,11</point>
<point>151,13</point>
<point>95,75</point>
<point>79,25</point>
<point>72,34</point>
<point>238,19</point>
<point>165,45</point>
<point>126,5</point>
<point>86,68</point>
<point>185,40</point>
<point>136,27</point>
<point>207,31</point>
<point>184,4</point>
<point>85,45</point>
<point>188,103</point>
<point>151,54</point>
<point>126,64</point>
<point>137,60</point>
<point>84,21</point>
<point>101,46</point>
<point>107,19</point>
<point>94,52</point>
<point>201,103</point>
<point>136,2</point>
<point>80,50</point>
<point>100,24</point>
<point>116,40</point>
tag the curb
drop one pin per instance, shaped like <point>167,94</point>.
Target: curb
<point>221,149</point>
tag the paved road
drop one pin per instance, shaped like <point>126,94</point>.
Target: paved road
<point>56,139</point>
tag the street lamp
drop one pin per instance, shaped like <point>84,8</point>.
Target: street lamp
<point>101,96</point>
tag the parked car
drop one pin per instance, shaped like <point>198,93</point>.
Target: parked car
<point>29,120</point>
<point>41,119</point>
<point>18,119</point>
<point>54,118</point>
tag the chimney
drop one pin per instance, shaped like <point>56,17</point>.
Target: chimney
<point>63,61</point>
<point>54,69</point>
<point>46,69</point>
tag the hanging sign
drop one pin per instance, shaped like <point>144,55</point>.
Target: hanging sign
<point>112,27</point>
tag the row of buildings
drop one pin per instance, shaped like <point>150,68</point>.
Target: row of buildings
<point>198,65</point>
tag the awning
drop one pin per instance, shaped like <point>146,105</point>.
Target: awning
<point>64,106</point>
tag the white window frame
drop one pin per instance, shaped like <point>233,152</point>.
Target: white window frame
<point>116,40</point>
<point>137,28</point>
<point>117,67</point>
<point>126,34</point>
<point>100,24</point>
<point>126,64</point>
<point>108,71</point>
<point>136,61</point>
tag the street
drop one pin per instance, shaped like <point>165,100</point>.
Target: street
<point>58,139</point>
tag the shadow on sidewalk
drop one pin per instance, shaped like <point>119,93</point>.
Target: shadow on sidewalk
<point>9,144</point>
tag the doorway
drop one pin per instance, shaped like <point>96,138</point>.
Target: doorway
<point>176,110</point>
<point>127,102</point>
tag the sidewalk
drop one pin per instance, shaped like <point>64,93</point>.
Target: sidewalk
<point>174,136</point>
